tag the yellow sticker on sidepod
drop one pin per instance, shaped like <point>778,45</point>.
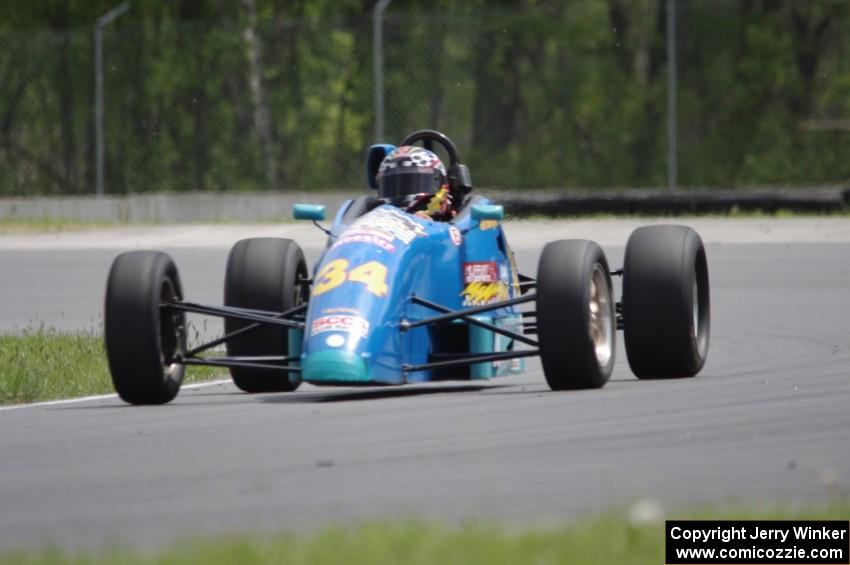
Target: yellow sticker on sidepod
<point>481,293</point>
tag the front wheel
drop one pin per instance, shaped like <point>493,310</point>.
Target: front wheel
<point>264,273</point>
<point>143,339</point>
<point>666,315</point>
<point>575,315</point>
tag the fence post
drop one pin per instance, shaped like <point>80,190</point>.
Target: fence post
<point>672,139</point>
<point>378,66</point>
<point>102,22</point>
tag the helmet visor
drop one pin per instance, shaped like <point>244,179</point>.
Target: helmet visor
<point>402,183</point>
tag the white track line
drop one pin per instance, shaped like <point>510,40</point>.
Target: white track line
<point>100,397</point>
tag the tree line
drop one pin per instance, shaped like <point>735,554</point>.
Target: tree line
<point>258,94</point>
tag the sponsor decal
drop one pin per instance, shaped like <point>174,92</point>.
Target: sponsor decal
<point>456,236</point>
<point>340,311</point>
<point>480,272</point>
<point>481,293</point>
<point>387,223</point>
<point>354,325</point>
<point>488,224</point>
<point>381,240</point>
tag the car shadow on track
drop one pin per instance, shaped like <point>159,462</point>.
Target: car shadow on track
<point>306,397</point>
<point>372,394</point>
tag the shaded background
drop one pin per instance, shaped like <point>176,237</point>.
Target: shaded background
<point>219,95</point>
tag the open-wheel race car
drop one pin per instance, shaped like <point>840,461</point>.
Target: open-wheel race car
<point>416,284</point>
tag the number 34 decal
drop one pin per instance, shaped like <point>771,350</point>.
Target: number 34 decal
<point>372,274</point>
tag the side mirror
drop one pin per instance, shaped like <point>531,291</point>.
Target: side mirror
<point>313,212</point>
<point>488,212</point>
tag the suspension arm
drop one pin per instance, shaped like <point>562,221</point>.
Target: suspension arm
<point>470,360</point>
<point>242,331</point>
<point>454,315</point>
<point>466,318</point>
<point>260,316</point>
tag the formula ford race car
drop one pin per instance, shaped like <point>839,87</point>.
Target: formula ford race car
<point>398,298</point>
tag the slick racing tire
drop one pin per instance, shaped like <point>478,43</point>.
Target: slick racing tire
<point>576,324</point>
<point>143,340</point>
<point>263,274</point>
<point>666,314</point>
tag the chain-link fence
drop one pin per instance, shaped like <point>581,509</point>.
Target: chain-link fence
<point>568,94</point>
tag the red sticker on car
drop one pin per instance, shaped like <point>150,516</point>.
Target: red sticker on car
<point>480,272</point>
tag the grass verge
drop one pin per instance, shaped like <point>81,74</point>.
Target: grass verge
<point>17,226</point>
<point>605,539</point>
<point>25,226</point>
<point>781,213</point>
<point>46,364</point>
<point>34,226</point>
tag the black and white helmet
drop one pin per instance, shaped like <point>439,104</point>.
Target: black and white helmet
<point>410,170</point>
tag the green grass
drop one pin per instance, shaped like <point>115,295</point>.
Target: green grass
<point>46,364</point>
<point>604,539</point>
<point>782,213</point>
<point>16,226</point>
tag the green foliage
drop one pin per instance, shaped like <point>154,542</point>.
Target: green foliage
<point>46,364</point>
<point>536,93</point>
<point>46,225</point>
<point>603,539</point>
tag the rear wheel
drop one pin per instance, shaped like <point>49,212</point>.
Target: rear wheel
<point>575,315</point>
<point>666,314</point>
<point>263,274</point>
<point>143,340</point>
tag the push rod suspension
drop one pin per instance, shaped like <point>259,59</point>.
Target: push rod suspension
<point>526,283</point>
<point>487,326</point>
<point>454,315</point>
<point>242,331</point>
<point>237,362</point>
<point>271,318</point>
<point>471,360</point>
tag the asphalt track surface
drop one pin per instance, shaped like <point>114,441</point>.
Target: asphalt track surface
<point>766,421</point>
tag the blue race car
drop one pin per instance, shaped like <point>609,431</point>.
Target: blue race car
<point>416,284</point>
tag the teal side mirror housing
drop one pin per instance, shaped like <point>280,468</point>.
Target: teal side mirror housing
<point>308,211</point>
<point>488,212</point>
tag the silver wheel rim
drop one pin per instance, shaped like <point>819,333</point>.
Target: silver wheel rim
<point>696,309</point>
<point>169,367</point>
<point>601,316</point>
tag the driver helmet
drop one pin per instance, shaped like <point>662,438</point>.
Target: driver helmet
<point>409,171</point>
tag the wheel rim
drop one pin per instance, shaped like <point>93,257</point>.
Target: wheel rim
<point>696,309</point>
<point>171,332</point>
<point>601,317</point>
<point>700,306</point>
<point>302,285</point>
